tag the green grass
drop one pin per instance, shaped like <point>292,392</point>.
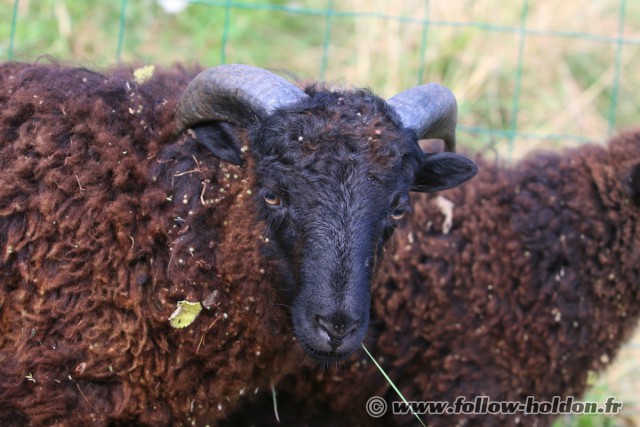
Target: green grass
<point>563,76</point>
<point>599,394</point>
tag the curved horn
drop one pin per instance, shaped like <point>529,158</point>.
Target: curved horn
<point>234,93</point>
<point>430,111</point>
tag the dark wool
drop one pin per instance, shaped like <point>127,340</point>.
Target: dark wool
<point>107,219</point>
<point>536,285</point>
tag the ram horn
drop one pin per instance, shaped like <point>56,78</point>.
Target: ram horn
<point>234,93</point>
<point>430,111</point>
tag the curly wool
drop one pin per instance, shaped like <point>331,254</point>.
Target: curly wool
<point>107,219</point>
<point>535,286</point>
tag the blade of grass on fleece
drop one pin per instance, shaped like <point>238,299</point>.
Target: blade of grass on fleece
<point>386,377</point>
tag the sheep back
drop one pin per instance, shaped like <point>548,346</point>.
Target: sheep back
<point>107,219</point>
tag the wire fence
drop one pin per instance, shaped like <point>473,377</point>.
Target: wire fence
<point>517,36</point>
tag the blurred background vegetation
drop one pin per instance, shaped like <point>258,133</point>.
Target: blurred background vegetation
<point>527,74</point>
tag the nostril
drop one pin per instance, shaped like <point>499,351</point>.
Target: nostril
<point>354,325</point>
<point>324,324</point>
<point>337,327</point>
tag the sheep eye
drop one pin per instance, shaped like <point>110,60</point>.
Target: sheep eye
<point>271,198</point>
<point>398,213</point>
<point>374,178</point>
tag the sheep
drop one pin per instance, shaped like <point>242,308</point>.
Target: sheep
<point>535,286</point>
<point>123,194</point>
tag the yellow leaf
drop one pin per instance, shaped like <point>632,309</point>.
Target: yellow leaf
<point>185,314</point>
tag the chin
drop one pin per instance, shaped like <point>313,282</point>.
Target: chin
<point>326,357</point>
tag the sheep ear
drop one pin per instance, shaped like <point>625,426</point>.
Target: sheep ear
<point>220,139</point>
<point>440,171</point>
<point>633,184</point>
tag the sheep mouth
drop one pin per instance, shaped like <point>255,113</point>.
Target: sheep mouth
<point>325,356</point>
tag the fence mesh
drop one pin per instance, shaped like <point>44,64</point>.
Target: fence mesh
<point>527,74</point>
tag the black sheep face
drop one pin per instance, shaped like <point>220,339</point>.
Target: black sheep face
<point>334,175</point>
<point>333,171</point>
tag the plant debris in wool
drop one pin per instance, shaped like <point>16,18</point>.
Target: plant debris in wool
<point>185,314</point>
<point>142,74</point>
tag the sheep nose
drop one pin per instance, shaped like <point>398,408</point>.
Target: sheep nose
<point>337,327</point>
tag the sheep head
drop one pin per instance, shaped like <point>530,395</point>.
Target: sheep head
<point>333,173</point>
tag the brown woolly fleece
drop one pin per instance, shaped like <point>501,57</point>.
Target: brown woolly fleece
<point>536,285</point>
<point>107,219</point>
